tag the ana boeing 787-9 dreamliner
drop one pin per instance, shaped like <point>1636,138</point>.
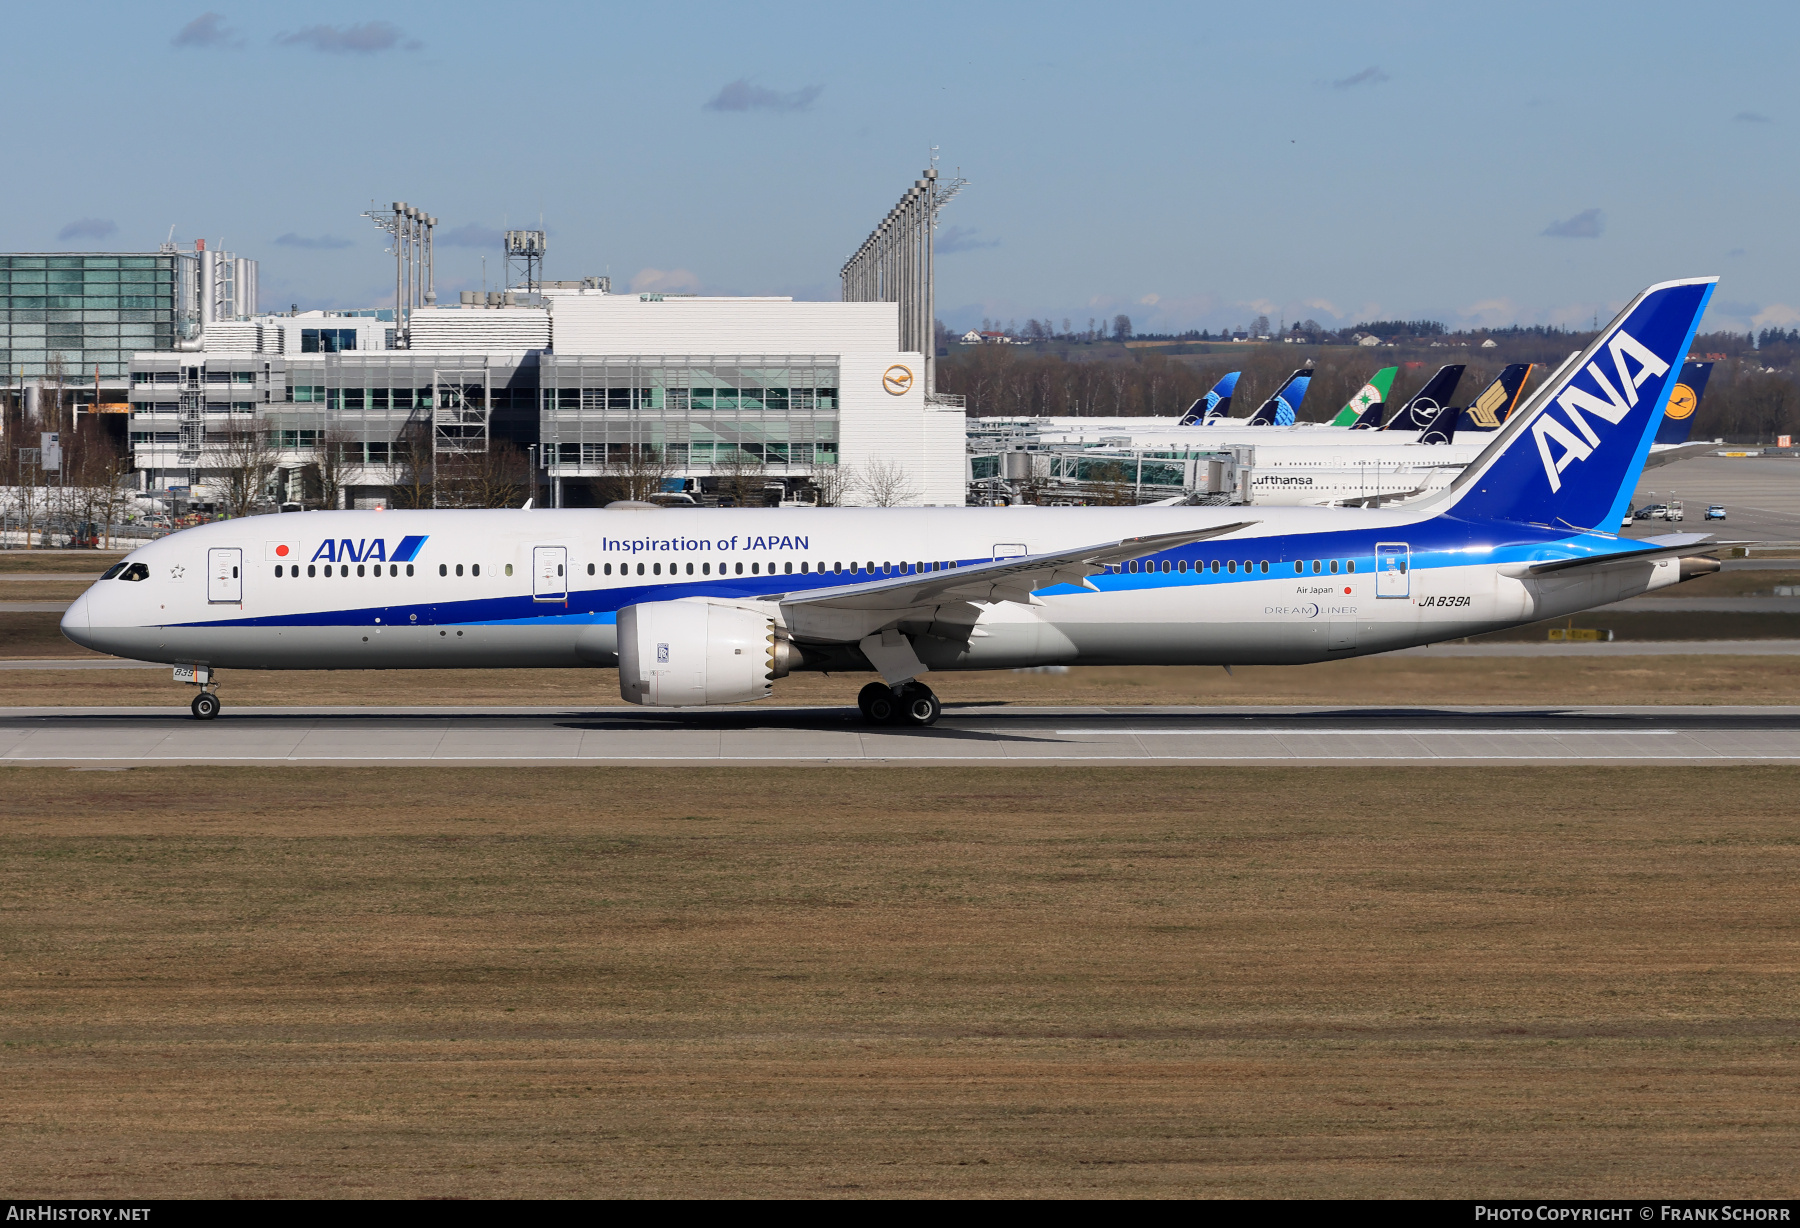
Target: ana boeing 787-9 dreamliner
<point>708,606</point>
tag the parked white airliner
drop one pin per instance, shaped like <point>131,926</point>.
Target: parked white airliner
<point>710,606</point>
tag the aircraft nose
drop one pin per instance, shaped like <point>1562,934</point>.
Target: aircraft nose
<point>75,622</point>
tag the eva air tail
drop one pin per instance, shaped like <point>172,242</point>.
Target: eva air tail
<point>1371,394</point>
<point>1282,408</point>
<point>1678,419</point>
<point>1569,458</point>
<point>1215,404</point>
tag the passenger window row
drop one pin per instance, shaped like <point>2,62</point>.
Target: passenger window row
<point>1228,566</point>
<point>756,569</point>
<point>343,570</point>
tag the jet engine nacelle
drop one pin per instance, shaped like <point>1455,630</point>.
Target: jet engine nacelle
<point>676,654</point>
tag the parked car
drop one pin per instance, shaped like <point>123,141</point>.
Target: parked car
<point>1652,511</point>
<point>1715,511</point>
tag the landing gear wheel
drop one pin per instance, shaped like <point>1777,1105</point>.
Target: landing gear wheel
<point>874,693</point>
<point>205,705</point>
<point>919,707</point>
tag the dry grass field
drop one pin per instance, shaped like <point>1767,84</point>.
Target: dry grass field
<point>80,562</point>
<point>886,982</point>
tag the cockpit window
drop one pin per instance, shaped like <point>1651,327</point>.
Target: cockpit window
<point>112,571</point>
<point>136,571</point>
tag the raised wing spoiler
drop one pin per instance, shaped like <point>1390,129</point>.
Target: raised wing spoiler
<point>1012,579</point>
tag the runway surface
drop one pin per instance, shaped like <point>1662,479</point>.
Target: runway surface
<point>98,737</point>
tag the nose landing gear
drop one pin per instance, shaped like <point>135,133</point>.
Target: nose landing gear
<point>915,705</point>
<point>206,703</point>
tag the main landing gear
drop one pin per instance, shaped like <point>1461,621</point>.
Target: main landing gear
<point>914,705</point>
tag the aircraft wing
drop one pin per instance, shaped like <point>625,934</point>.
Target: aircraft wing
<point>1012,579</point>
<point>1654,548</point>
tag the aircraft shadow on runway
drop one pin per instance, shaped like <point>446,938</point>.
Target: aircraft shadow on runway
<point>838,720</point>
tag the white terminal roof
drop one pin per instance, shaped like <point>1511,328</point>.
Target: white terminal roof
<point>648,324</point>
<point>629,324</point>
<point>481,329</point>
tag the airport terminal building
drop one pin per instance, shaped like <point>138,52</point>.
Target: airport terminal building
<point>799,392</point>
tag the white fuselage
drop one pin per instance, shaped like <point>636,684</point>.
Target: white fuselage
<point>323,590</point>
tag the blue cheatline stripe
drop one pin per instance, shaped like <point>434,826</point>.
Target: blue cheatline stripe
<point>407,550</point>
<point>1442,542</point>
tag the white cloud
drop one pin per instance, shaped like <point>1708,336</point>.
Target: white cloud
<point>664,281</point>
<point>1776,315</point>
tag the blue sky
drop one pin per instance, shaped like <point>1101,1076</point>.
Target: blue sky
<point>1190,165</point>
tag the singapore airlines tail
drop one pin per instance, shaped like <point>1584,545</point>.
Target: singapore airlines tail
<point>1489,411</point>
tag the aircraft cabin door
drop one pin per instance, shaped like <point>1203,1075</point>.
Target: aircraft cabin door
<point>225,575</point>
<point>550,573</point>
<point>1393,562</point>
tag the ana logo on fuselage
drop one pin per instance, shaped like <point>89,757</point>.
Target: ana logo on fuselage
<point>368,550</point>
<point>1582,440</point>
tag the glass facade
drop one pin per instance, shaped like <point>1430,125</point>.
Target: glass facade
<point>73,313</point>
<point>698,412</point>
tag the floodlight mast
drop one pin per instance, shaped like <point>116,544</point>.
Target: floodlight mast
<point>415,275</point>
<point>897,264</point>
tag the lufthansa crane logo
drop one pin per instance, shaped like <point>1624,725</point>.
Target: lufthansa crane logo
<point>897,379</point>
<point>1681,402</point>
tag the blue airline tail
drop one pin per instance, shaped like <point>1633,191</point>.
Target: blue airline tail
<point>1443,426</point>
<point>1282,408</point>
<point>1370,418</point>
<point>1489,411</point>
<point>1215,404</point>
<point>1570,458</point>
<point>1678,420</point>
<point>1416,414</point>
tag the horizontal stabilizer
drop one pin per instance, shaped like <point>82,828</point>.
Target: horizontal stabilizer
<point>1653,548</point>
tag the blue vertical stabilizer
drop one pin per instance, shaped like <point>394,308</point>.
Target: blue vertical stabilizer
<point>1570,458</point>
<point>1284,407</point>
<point>1418,413</point>
<point>1215,404</point>
<point>1678,419</point>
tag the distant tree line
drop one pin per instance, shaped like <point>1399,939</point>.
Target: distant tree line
<point>1752,397</point>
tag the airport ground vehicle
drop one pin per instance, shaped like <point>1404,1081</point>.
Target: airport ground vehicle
<point>1672,511</point>
<point>698,606</point>
<point>1715,511</point>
